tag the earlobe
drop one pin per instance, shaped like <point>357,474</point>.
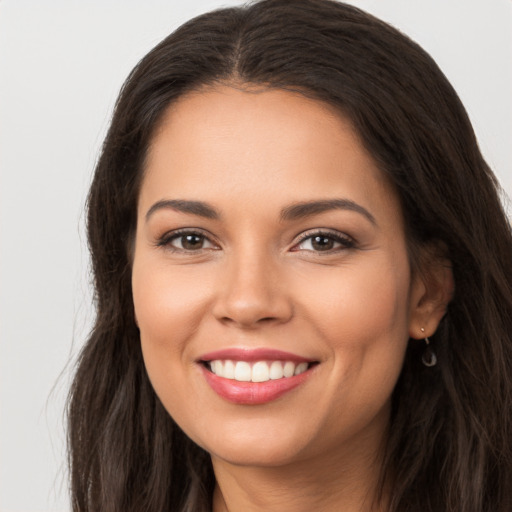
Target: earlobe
<point>432,290</point>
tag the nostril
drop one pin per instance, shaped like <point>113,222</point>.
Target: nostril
<point>248,320</point>
<point>249,304</point>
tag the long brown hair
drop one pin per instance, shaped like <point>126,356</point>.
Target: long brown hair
<point>450,444</point>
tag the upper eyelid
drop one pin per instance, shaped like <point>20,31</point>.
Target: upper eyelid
<point>183,231</point>
<point>324,231</point>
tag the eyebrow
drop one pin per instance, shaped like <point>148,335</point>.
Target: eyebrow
<point>293,212</point>
<point>180,205</point>
<point>310,208</point>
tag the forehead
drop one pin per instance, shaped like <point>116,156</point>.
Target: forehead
<point>224,143</point>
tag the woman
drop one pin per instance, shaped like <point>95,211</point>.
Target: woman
<point>303,282</point>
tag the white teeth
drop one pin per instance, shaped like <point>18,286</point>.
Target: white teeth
<point>289,369</point>
<point>229,370</point>
<point>216,367</point>
<point>259,371</point>
<point>243,371</point>
<point>301,368</point>
<point>276,370</point>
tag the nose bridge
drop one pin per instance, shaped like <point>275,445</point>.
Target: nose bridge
<point>251,290</point>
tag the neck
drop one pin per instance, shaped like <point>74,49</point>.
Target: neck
<point>331,483</point>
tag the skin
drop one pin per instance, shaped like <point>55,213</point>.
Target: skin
<point>249,154</point>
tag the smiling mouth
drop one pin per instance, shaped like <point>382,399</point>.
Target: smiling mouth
<point>255,376</point>
<point>256,371</point>
<point>255,382</point>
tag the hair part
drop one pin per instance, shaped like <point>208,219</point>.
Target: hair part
<point>449,447</point>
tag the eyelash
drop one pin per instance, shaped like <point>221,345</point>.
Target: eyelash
<point>344,241</point>
<point>166,240</point>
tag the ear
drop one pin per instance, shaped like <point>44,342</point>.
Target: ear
<point>432,289</point>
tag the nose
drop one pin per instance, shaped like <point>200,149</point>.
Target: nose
<point>252,292</point>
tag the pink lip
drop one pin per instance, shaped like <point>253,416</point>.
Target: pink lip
<point>255,354</point>
<point>253,393</point>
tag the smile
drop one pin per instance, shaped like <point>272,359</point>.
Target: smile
<point>254,376</point>
<point>260,371</point>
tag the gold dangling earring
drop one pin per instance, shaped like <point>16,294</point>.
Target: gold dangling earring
<point>429,357</point>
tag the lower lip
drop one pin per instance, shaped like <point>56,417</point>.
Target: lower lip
<point>253,393</point>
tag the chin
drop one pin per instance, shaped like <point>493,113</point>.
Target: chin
<point>263,444</point>
<point>271,455</point>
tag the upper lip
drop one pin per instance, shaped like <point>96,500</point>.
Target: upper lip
<point>253,354</point>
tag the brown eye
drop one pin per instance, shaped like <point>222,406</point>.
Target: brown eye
<point>324,242</point>
<point>191,242</point>
<point>187,242</point>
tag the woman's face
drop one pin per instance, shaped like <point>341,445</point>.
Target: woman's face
<point>268,243</point>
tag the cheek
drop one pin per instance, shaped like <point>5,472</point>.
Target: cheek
<point>166,303</point>
<point>169,307</point>
<point>363,314</point>
<point>361,301</point>
<point>362,319</point>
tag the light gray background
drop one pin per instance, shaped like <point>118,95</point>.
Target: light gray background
<point>61,66</point>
